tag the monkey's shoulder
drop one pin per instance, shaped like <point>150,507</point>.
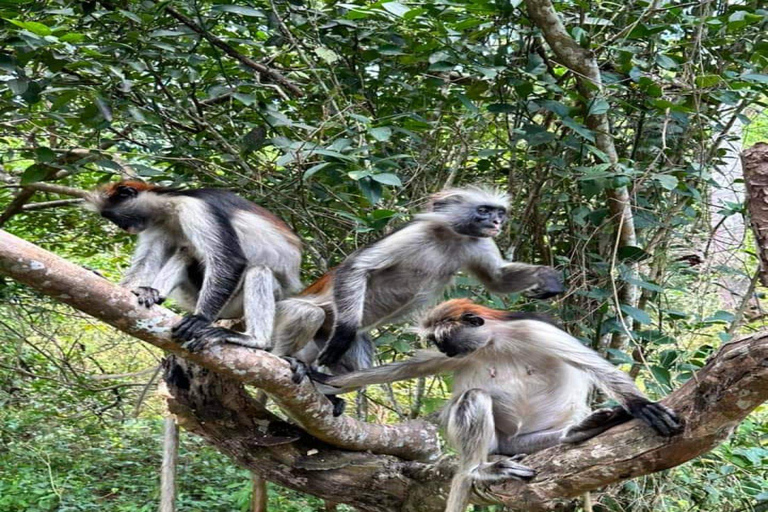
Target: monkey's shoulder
<point>516,316</point>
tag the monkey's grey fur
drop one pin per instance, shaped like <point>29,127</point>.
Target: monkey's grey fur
<point>519,386</point>
<point>402,273</point>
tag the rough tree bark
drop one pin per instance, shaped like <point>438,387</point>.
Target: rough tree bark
<point>755,164</point>
<point>590,84</point>
<point>207,394</point>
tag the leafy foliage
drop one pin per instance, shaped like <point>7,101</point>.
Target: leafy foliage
<point>397,100</point>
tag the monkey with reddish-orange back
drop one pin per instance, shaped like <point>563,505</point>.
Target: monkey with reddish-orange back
<point>218,255</point>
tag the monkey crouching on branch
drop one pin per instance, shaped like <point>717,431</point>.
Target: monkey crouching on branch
<point>401,273</point>
<point>217,254</point>
<point>520,385</point>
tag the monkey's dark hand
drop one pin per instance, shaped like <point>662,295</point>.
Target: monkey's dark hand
<point>549,284</point>
<point>509,468</point>
<point>659,417</point>
<point>190,326</point>
<point>342,339</point>
<point>148,296</point>
<point>301,370</point>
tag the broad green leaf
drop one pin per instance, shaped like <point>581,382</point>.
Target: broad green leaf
<point>44,155</point>
<point>666,62</point>
<point>579,128</point>
<point>33,26</point>
<point>388,179</point>
<point>667,181</point>
<point>381,133</point>
<point>598,106</point>
<point>241,10</point>
<point>632,253</point>
<point>395,8</point>
<point>34,173</point>
<point>637,314</point>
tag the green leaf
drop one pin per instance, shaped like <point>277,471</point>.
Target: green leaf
<point>667,181</point>
<point>18,86</point>
<point>501,108</point>
<point>44,155</point>
<point>358,175</point>
<point>638,314</point>
<point>755,77</point>
<point>619,357</point>
<point>381,133</point>
<point>388,179</point>
<point>395,8</point>
<point>721,317</point>
<point>599,106</point>
<point>666,62</point>
<point>245,99</point>
<point>328,55</point>
<point>705,81</point>
<point>34,173</point>
<point>315,169</point>
<point>241,10</point>
<point>579,128</point>
<point>632,253</point>
<point>33,26</point>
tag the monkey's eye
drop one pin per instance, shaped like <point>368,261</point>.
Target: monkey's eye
<point>483,210</point>
<point>125,192</point>
<point>471,319</point>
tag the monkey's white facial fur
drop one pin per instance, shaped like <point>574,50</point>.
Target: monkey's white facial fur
<point>471,211</point>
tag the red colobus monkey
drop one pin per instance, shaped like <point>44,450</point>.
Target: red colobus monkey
<point>401,273</point>
<point>520,385</point>
<point>217,254</point>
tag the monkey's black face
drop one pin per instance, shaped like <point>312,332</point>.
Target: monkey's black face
<point>119,208</point>
<point>482,221</point>
<point>457,338</point>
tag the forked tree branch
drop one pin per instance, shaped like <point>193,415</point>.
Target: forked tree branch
<point>208,398</point>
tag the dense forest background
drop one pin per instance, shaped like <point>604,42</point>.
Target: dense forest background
<point>341,118</point>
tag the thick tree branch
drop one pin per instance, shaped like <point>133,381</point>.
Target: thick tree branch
<point>117,306</point>
<point>207,395</point>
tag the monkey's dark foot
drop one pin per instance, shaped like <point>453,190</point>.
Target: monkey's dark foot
<point>337,346</point>
<point>189,328</point>
<point>661,418</point>
<point>339,404</point>
<point>148,296</point>
<point>505,469</point>
<point>596,423</point>
<point>299,368</point>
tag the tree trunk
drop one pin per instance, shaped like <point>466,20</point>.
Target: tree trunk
<point>584,65</point>
<point>755,163</point>
<point>168,469</point>
<point>259,496</point>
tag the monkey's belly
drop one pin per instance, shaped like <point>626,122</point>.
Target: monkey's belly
<point>394,294</point>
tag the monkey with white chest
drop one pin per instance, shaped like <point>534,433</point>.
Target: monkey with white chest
<point>520,385</point>
<point>217,254</point>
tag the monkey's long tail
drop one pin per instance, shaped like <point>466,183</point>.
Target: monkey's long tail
<point>458,497</point>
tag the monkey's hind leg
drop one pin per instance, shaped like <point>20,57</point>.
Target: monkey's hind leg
<point>596,423</point>
<point>471,430</point>
<point>258,310</point>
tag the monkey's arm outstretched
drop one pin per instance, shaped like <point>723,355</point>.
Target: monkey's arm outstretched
<point>224,263</point>
<point>534,336</point>
<point>422,364</point>
<point>501,276</point>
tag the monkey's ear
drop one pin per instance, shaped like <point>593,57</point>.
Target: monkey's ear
<point>472,319</point>
<point>126,192</point>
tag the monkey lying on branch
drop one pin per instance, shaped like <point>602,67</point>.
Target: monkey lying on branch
<point>520,385</point>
